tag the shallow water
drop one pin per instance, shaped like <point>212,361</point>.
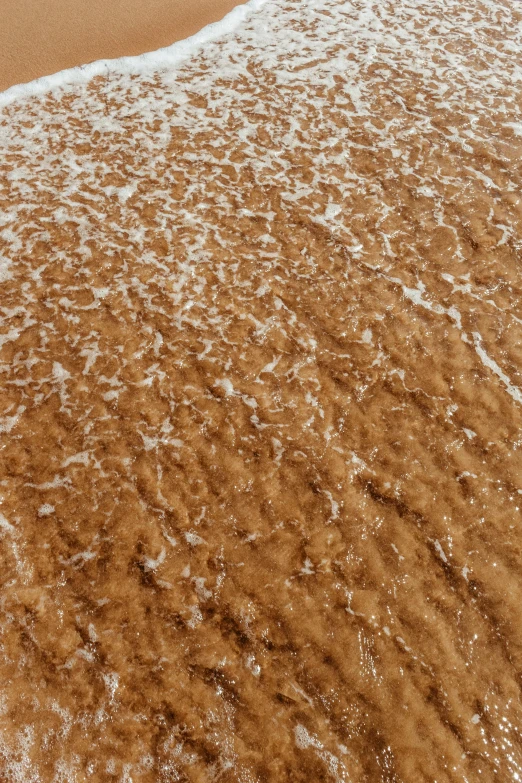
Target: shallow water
<point>261,407</point>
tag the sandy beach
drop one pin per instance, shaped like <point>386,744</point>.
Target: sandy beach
<point>39,38</point>
<point>261,404</point>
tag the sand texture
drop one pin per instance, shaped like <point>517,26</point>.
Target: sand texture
<point>261,408</point>
<point>40,37</point>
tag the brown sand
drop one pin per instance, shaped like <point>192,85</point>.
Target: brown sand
<point>39,38</point>
<point>261,467</point>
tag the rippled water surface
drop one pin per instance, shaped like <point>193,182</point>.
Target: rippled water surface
<point>260,407</point>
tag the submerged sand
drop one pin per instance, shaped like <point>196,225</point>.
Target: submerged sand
<point>40,38</point>
<point>261,419</point>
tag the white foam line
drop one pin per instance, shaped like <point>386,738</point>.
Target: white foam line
<point>513,390</point>
<point>166,57</point>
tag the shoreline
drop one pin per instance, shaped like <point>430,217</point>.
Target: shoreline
<point>64,57</point>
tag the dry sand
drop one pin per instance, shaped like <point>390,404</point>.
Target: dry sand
<point>37,39</point>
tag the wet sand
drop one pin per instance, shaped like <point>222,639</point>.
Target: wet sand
<point>261,408</point>
<point>39,38</point>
